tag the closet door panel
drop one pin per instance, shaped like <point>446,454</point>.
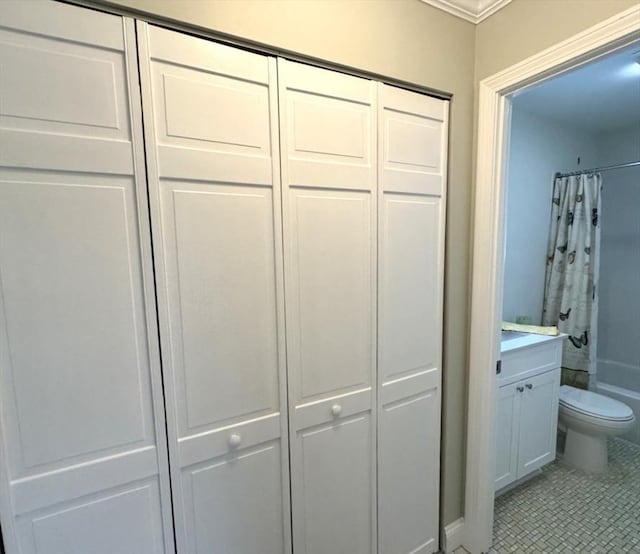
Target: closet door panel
<point>409,373</point>
<point>413,142</point>
<point>331,259</point>
<point>203,138</point>
<point>214,188</point>
<point>97,524</point>
<point>35,218</point>
<point>329,129</point>
<point>411,162</point>
<point>249,476</point>
<point>82,437</point>
<point>409,447</point>
<point>333,458</point>
<point>409,296</point>
<point>220,251</point>
<point>329,205</point>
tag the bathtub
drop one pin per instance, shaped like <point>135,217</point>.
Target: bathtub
<point>622,382</point>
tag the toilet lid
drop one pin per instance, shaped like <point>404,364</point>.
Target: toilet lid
<point>593,404</point>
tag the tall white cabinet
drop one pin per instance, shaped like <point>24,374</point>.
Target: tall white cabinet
<point>220,295</point>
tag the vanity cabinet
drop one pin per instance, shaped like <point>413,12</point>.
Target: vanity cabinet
<point>526,407</point>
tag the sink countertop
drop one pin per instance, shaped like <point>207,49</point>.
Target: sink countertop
<point>511,340</point>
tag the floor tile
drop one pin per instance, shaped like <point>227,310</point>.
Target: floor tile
<point>566,510</point>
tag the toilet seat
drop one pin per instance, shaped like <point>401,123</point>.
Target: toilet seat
<point>594,405</point>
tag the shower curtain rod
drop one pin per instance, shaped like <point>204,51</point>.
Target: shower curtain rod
<point>597,169</point>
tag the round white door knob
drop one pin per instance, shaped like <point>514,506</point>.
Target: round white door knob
<point>336,409</point>
<point>235,439</point>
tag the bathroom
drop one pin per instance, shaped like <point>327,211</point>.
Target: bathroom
<point>583,120</point>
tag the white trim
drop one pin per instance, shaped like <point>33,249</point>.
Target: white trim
<point>486,304</point>
<point>470,10</point>
<point>453,536</point>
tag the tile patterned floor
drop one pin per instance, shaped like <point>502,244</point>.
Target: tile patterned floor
<point>568,511</point>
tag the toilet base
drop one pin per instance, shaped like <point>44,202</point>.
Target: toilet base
<point>586,452</point>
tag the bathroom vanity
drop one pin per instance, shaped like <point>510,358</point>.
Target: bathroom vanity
<point>526,405</point>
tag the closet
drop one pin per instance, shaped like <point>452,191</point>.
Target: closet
<point>221,288</point>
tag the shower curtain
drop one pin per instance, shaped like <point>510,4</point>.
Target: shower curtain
<point>570,300</point>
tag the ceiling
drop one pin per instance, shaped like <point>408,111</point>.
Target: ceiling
<point>471,10</point>
<point>600,96</point>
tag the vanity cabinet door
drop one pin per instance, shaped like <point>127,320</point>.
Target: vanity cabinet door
<point>507,433</point>
<point>538,421</point>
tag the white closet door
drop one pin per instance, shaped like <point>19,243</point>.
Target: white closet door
<point>329,202</point>
<point>211,135</point>
<point>411,164</point>
<point>83,462</point>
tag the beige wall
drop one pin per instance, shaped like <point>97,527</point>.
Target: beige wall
<point>407,40</point>
<point>525,27</point>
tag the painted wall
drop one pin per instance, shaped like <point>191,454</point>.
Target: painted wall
<point>404,39</point>
<point>540,147</point>
<point>619,306</point>
<point>525,27</point>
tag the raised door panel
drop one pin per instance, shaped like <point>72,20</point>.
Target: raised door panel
<point>413,142</point>
<point>330,242</point>
<point>507,433</point>
<point>63,105</point>
<point>203,139</point>
<point>410,293</point>
<point>83,440</point>
<point>334,493</point>
<point>329,206</point>
<point>234,502</point>
<point>538,421</point>
<point>328,128</point>
<point>214,190</point>
<point>62,248</point>
<point>408,491</point>
<point>120,522</point>
<point>221,277</point>
<point>411,166</point>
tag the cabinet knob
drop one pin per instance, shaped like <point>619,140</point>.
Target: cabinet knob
<point>234,440</point>
<point>336,409</point>
<point>520,389</point>
<point>529,386</point>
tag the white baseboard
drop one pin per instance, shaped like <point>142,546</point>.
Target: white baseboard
<point>453,535</point>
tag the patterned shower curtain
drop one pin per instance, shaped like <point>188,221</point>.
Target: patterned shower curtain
<point>572,258</point>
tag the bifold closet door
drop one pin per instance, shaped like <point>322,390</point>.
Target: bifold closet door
<point>411,166</point>
<point>211,136</point>
<point>327,127</point>
<point>83,462</point>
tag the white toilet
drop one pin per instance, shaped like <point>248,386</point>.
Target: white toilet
<point>589,418</point>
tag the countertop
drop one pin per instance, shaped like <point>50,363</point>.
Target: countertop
<point>512,340</point>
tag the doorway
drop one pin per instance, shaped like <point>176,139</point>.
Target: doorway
<point>495,105</point>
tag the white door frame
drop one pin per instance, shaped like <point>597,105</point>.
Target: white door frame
<point>488,250</point>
